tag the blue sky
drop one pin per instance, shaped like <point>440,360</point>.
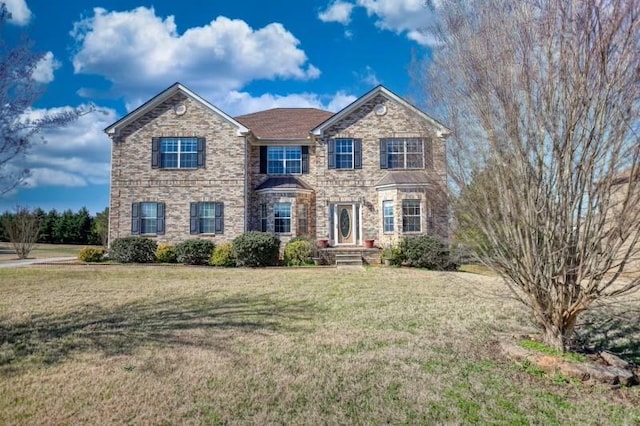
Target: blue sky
<point>242,55</point>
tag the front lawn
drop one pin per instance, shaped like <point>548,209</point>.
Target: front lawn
<point>174,345</point>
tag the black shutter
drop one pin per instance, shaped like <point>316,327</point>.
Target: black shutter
<point>155,153</point>
<point>201,152</point>
<point>135,218</point>
<point>263,159</point>
<point>331,156</point>
<point>383,154</point>
<point>428,152</point>
<point>219,220</point>
<point>160,219</point>
<point>357,153</point>
<point>193,219</point>
<point>305,159</point>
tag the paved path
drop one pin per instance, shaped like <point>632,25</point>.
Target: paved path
<point>27,262</point>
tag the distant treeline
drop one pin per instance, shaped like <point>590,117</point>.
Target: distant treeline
<point>67,227</point>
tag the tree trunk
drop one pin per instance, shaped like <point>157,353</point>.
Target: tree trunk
<point>556,336</point>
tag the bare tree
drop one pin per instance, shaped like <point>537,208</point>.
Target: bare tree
<point>544,100</point>
<point>18,92</point>
<point>23,229</point>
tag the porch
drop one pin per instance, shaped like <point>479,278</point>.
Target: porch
<point>349,256</point>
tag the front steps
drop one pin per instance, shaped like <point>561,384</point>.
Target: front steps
<point>349,256</point>
<point>349,259</point>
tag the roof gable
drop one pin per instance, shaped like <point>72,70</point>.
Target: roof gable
<point>115,128</point>
<point>378,90</point>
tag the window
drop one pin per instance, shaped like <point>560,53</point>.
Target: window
<point>177,153</point>
<point>206,218</point>
<point>284,160</point>
<point>263,217</point>
<point>147,218</point>
<point>402,153</point>
<point>282,218</point>
<point>344,153</point>
<point>387,216</point>
<point>411,216</point>
<point>303,220</point>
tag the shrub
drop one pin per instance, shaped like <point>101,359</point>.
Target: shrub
<point>194,252</point>
<point>394,253</point>
<point>166,253</point>
<point>426,252</point>
<point>298,252</point>
<point>91,254</point>
<point>223,255</point>
<point>133,250</point>
<point>256,249</point>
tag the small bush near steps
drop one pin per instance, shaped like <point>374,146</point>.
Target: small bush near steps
<point>298,252</point>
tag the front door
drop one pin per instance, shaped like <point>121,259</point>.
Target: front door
<point>345,222</point>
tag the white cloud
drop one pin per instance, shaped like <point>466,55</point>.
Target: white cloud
<point>368,76</point>
<point>412,17</point>
<point>43,72</point>
<point>75,155</point>
<point>238,103</point>
<point>140,52</point>
<point>338,11</point>
<point>20,13</point>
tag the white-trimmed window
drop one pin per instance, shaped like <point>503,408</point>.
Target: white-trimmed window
<point>206,218</point>
<point>344,153</point>
<point>284,160</point>
<point>303,219</point>
<point>411,218</point>
<point>263,217</point>
<point>402,153</point>
<point>147,218</point>
<point>387,216</point>
<point>282,218</point>
<point>179,153</point>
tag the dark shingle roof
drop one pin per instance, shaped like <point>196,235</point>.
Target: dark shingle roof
<point>404,177</point>
<point>284,183</point>
<point>284,123</point>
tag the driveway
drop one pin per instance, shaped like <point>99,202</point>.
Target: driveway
<point>27,262</point>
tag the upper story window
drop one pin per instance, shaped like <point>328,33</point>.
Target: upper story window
<point>344,153</point>
<point>402,153</point>
<point>284,160</point>
<point>177,153</point>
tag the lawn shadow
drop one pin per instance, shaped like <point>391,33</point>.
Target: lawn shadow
<point>612,327</point>
<point>189,321</point>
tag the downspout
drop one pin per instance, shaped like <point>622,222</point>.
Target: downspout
<point>246,183</point>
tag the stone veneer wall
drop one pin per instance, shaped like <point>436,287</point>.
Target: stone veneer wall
<point>222,179</point>
<point>351,185</point>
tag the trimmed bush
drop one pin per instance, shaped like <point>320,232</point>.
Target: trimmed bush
<point>298,252</point>
<point>166,253</point>
<point>223,255</point>
<point>426,252</point>
<point>91,254</point>
<point>256,249</point>
<point>133,250</point>
<point>194,252</point>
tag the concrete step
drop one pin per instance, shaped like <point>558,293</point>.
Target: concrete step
<point>348,259</point>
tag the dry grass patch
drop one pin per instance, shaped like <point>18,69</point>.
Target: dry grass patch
<point>188,345</point>
<point>41,251</point>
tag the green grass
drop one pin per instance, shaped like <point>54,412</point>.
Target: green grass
<point>544,349</point>
<point>134,344</point>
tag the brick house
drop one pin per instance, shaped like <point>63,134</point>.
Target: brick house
<point>182,168</point>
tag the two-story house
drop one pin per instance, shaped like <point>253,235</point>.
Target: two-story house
<point>182,168</point>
